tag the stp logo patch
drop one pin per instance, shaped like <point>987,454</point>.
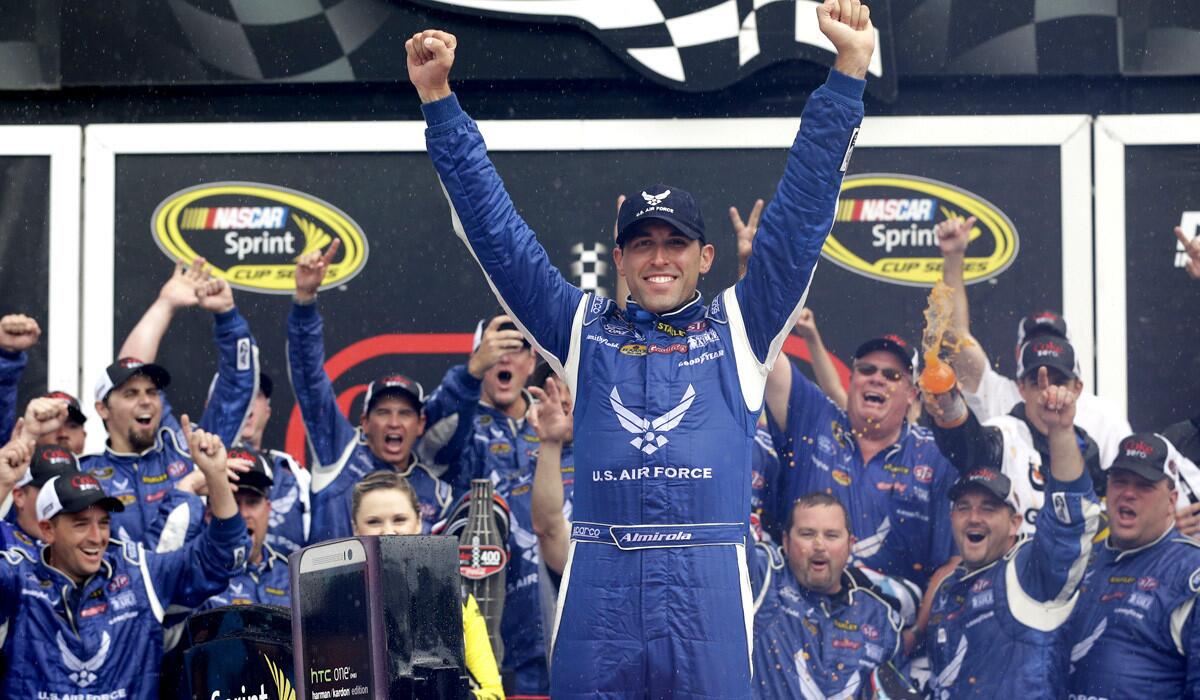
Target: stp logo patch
<point>923,473</point>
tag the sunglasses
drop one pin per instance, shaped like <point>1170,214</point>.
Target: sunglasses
<point>866,369</point>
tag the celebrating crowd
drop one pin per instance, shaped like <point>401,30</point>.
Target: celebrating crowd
<point>737,529</point>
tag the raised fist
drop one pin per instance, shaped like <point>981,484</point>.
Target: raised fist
<point>847,23</point>
<point>953,235</point>
<point>310,270</point>
<point>18,333</point>
<point>430,56</point>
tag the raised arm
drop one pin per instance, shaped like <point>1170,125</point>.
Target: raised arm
<point>18,333</point>
<point>14,460</point>
<point>553,426</point>
<point>178,292</point>
<point>822,363</point>
<point>236,382</point>
<point>969,360</point>
<point>542,303</point>
<point>767,301</point>
<point>328,430</point>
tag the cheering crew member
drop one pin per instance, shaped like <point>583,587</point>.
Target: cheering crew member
<point>1135,632</point>
<point>18,333</point>
<point>265,579</point>
<point>819,629</point>
<point>997,627</point>
<point>889,473</point>
<point>395,414</point>
<point>989,394</point>
<point>145,455</point>
<point>24,470</point>
<point>667,392</point>
<point>84,617</point>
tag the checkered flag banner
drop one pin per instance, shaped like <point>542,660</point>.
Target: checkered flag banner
<point>688,44</point>
<point>590,266</point>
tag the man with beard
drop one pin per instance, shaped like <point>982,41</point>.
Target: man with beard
<point>887,472</point>
<point>819,628</point>
<point>1135,632</point>
<point>84,617</point>
<point>997,627</point>
<point>667,392</point>
<point>395,414</point>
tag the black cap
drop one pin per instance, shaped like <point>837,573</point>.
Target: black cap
<point>1041,323</point>
<point>127,368</point>
<point>396,385</point>
<point>894,344</point>
<point>265,384</point>
<point>664,203</point>
<point>988,479</point>
<point>1047,351</point>
<point>1146,455</point>
<point>48,462</point>
<point>260,478</point>
<point>72,493</point>
<point>74,412</point>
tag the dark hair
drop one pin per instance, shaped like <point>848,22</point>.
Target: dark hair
<point>813,500</point>
<point>382,480</point>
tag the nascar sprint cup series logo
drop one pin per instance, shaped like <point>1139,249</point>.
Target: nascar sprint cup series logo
<point>252,233</point>
<point>884,229</point>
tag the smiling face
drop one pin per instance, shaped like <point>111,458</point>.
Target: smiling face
<point>881,392</point>
<point>131,414</point>
<point>392,427</point>
<point>77,541</point>
<point>502,384</point>
<point>984,527</point>
<point>386,512</point>
<point>662,266</point>
<point>1139,510</point>
<point>817,547</point>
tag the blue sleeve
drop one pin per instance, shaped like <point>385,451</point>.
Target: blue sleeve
<point>1050,568</point>
<point>328,430</point>
<point>10,580</point>
<point>178,519</point>
<point>12,364</point>
<point>449,417</point>
<point>237,377</point>
<point>541,301</point>
<point>798,219</point>
<point>201,569</point>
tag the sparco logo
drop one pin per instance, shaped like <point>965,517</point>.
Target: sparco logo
<point>251,233</point>
<point>640,538</point>
<point>885,230</point>
<point>582,531</point>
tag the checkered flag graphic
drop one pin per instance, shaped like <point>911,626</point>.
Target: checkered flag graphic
<point>590,267</point>
<point>674,43</point>
<point>295,40</point>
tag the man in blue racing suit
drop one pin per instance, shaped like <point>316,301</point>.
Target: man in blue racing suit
<point>997,626</point>
<point>83,618</point>
<point>1135,632</point>
<point>655,597</point>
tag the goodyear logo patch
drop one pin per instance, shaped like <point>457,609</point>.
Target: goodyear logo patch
<point>252,233</point>
<point>884,229</point>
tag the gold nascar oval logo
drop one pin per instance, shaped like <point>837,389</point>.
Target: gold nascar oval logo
<point>884,229</point>
<point>252,233</point>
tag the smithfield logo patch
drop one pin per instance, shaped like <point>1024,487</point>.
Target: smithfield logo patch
<point>252,233</point>
<point>884,229</point>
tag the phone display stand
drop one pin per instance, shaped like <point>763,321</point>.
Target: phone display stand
<point>379,617</point>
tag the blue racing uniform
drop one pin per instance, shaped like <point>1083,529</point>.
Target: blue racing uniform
<point>1135,632</point>
<point>340,456</point>
<point>812,646</point>
<point>655,596</point>
<point>505,451</point>
<point>104,637</point>
<point>12,364</point>
<point>264,583</point>
<point>11,535</point>
<point>141,481</point>
<point>291,508</point>
<point>898,502</point>
<point>1000,631</point>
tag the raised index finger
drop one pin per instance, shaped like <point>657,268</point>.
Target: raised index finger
<point>1183,238</point>
<point>331,251</point>
<point>1043,379</point>
<point>755,213</point>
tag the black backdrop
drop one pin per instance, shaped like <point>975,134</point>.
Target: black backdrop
<point>25,255</point>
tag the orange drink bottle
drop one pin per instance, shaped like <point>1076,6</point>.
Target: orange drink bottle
<point>937,377</point>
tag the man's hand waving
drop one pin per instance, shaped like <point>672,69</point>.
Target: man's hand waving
<point>430,56</point>
<point>847,23</point>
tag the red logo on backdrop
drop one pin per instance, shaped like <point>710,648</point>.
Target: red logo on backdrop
<point>364,351</point>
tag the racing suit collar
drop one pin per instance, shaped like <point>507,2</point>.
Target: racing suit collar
<point>1012,551</point>
<point>158,444</point>
<point>690,311</point>
<point>501,416</point>
<point>826,602</point>
<point>1122,553</point>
